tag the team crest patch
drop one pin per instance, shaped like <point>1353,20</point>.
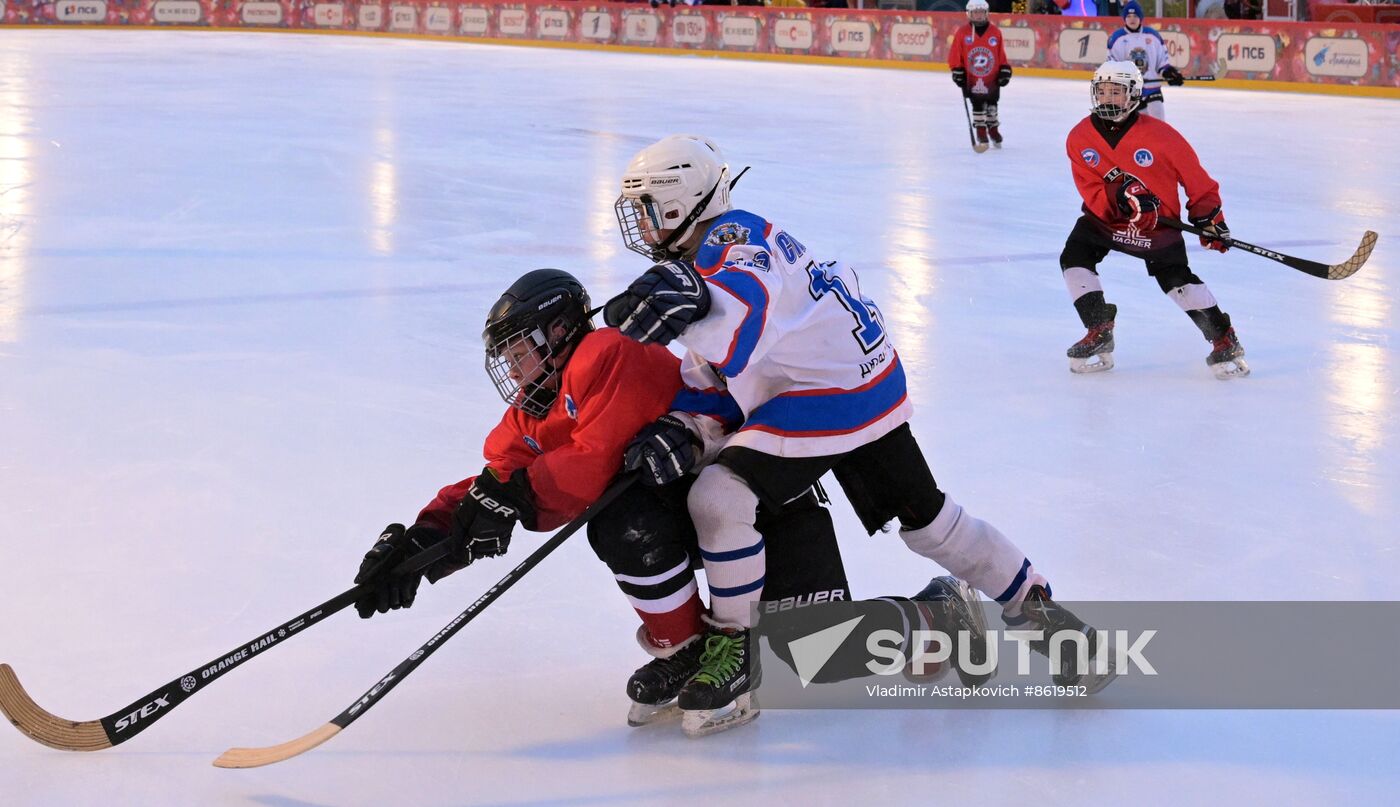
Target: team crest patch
<point>731,232</point>
<point>534,446</point>
<point>979,62</point>
<point>992,42</point>
<point>1142,157</point>
<point>1090,157</point>
<point>570,408</point>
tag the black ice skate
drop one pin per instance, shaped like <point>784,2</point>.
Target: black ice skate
<point>720,696</point>
<point>956,609</point>
<point>1098,342</point>
<point>1226,359</point>
<point>994,132</point>
<point>1050,617</point>
<point>653,687</point>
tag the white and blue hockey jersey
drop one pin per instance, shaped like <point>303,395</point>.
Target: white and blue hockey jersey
<point>797,358</point>
<point>1144,48</point>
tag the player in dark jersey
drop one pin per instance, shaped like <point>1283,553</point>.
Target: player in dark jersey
<point>1127,167</point>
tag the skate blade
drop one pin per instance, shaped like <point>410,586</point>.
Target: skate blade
<point>996,145</point>
<point>703,722</point>
<point>1225,370</point>
<point>1084,366</point>
<point>645,714</point>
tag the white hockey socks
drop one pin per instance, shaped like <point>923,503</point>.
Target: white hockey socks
<point>724,511</point>
<point>1081,281</point>
<point>977,552</point>
<point>1192,297</point>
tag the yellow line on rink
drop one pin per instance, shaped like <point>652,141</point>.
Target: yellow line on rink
<point>841,61</point>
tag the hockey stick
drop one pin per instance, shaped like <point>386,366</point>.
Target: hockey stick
<point>977,147</point>
<point>129,721</point>
<point>1336,271</point>
<point>257,757</point>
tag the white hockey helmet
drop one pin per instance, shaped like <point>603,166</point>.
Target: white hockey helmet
<point>667,189</point>
<point>978,5</point>
<point>1113,105</point>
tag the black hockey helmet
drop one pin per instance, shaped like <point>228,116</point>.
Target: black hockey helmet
<point>537,319</point>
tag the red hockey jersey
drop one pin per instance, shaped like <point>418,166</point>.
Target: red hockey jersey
<point>1149,149</point>
<point>612,386</point>
<point>981,56</point>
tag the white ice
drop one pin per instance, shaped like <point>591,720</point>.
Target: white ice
<point>242,281</point>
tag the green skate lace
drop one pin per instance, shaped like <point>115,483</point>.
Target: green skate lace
<point>721,659</point>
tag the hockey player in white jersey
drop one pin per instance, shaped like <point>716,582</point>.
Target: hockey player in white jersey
<point>1144,47</point>
<point>819,387</point>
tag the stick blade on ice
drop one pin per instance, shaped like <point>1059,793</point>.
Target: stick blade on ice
<point>258,757</point>
<point>41,725</point>
<point>1349,267</point>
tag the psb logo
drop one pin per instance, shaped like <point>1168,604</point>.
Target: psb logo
<point>534,446</point>
<point>1321,58</point>
<point>1090,157</point>
<point>188,683</point>
<point>570,408</point>
<point>992,42</point>
<point>1143,157</point>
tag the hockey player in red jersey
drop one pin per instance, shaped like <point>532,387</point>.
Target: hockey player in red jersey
<point>579,397</point>
<point>1127,167</point>
<point>977,58</point>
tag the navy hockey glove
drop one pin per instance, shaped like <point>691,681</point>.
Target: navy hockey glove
<point>1138,204</point>
<point>484,520</point>
<point>1217,233</point>
<point>1003,75</point>
<point>960,77</point>
<point>1173,76</point>
<point>394,546</point>
<point>660,304</point>
<point>664,451</point>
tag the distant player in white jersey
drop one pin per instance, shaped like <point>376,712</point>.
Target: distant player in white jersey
<point>1144,47</point>
<point>815,385</point>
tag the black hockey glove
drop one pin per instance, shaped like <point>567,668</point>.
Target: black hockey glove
<point>1138,204</point>
<point>394,546</point>
<point>483,522</point>
<point>1173,76</point>
<point>1003,75</point>
<point>1217,233</point>
<point>960,77</point>
<point>664,451</point>
<point>660,304</point>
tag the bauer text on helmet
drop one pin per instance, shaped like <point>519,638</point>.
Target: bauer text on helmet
<point>667,189</point>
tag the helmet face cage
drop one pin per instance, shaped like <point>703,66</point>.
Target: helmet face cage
<point>977,10</point>
<point>1108,109</point>
<point>522,369</point>
<point>642,219</point>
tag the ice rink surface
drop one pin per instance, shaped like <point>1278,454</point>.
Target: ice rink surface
<point>242,282</point>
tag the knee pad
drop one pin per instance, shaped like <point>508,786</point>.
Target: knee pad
<point>720,497</point>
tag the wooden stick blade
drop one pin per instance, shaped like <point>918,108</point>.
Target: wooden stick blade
<point>1358,259</point>
<point>258,757</point>
<point>42,726</point>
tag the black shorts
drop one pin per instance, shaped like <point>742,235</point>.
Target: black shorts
<point>1164,251</point>
<point>886,479</point>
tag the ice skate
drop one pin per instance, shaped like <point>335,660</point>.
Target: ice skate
<point>654,687</point>
<point>1050,617</point>
<point>982,141</point>
<point>956,609</point>
<point>1094,353</point>
<point>994,132</point>
<point>1226,359</point>
<point>720,696</point>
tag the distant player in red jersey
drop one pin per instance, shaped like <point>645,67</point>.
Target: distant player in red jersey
<point>978,61</point>
<point>1127,167</point>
